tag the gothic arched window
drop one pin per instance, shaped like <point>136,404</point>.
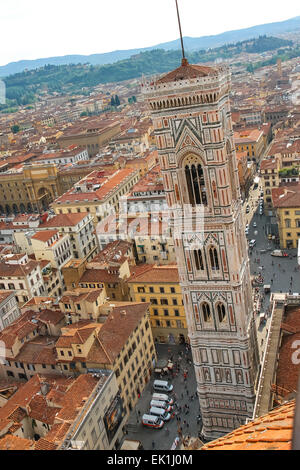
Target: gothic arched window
<point>194,176</point>
<point>199,260</point>
<point>206,312</point>
<point>221,310</point>
<point>214,259</point>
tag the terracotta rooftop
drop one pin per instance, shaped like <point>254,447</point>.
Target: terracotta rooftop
<point>187,71</point>
<point>155,274</point>
<point>287,373</point>
<point>81,296</point>
<point>107,187</point>
<point>17,270</point>
<point>117,328</point>
<point>64,220</point>
<point>113,252</point>
<point>98,276</point>
<point>10,442</point>
<point>247,136</point>
<point>269,164</point>
<point>269,432</point>
<point>60,405</point>
<point>286,196</point>
<point>44,236</point>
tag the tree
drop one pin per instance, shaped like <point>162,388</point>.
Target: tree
<point>112,101</point>
<point>15,129</point>
<point>117,101</point>
<point>134,99</point>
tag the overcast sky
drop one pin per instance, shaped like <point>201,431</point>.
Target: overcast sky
<point>31,29</point>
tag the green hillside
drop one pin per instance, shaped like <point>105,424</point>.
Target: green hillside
<point>25,88</point>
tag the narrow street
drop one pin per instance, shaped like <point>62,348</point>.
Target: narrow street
<point>281,274</point>
<point>183,392</point>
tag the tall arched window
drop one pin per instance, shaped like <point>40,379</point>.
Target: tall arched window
<point>221,310</point>
<point>196,184</point>
<point>199,260</point>
<point>214,259</point>
<point>206,312</point>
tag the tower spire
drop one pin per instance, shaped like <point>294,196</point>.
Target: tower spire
<point>184,60</point>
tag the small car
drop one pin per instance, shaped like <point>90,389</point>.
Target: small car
<point>255,225</point>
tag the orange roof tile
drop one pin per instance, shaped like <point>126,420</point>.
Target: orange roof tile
<point>10,442</point>
<point>269,432</point>
<point>187,71</point>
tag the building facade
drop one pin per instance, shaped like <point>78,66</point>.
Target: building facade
<point>159,286</point>
<point>192,120</point>
<point>9,310</point>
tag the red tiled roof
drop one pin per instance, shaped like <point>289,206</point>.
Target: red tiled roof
<point>187,71</point>
<point>154,274</point>
<point>10,442</point>
<point>64,220</point>
<point>76,334</point>
<point>45,235</point>
<point>286,196</point>
<point>287,370</point>
<point>270,432</point>
<point>98,276</point>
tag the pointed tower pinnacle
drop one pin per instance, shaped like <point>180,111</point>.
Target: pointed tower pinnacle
<point>184,60</point>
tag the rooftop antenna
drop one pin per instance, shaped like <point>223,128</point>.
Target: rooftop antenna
<point>184,60</point>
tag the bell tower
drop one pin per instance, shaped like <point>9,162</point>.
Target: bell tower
<point>191,115</point>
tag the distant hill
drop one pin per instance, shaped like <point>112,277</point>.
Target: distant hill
<point>191,44</point>
<point>27,87</point>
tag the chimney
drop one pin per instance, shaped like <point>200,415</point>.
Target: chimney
<point>44,388</point>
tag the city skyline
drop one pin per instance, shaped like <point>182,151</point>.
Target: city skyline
<point>79,32</point>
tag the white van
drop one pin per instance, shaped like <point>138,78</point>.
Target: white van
<point>162,414</point>
<point>162,386</point>
<point>163,397</point>
<point>161,404</point>
<point>152,421</point>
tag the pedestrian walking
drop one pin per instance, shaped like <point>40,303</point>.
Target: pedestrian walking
<point>139,413</point>
<point>184,423</point>
<point>153,445</point>
<point>187,392</point>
